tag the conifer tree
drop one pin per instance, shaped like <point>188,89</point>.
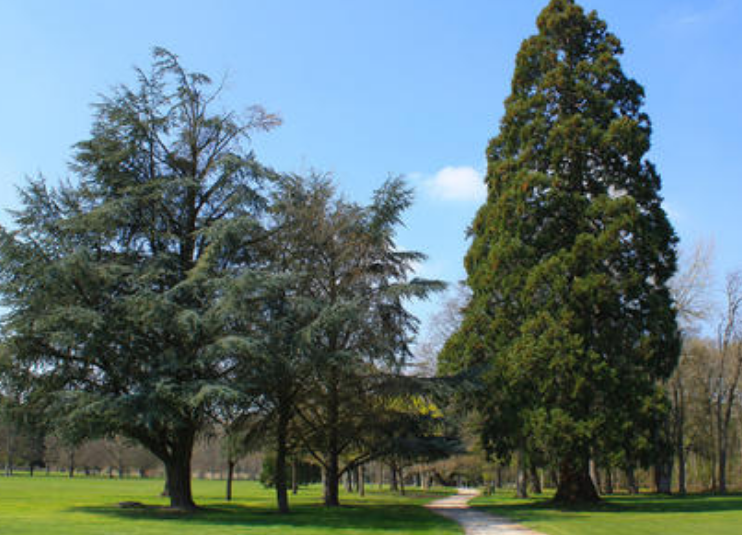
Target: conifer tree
<point>111,282</point>
<point>571,324</point>
<point>357,285</point>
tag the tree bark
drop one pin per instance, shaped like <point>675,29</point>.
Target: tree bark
<point>332,466</point>
<point>682,486</point>
<point>679,399</point>
<point>71,459</point>
<point>722,477</point>
<point>575,484</point>
<point>332,484</point>
<point>230,478</point>
<point>348,480</point>
<point>595,475</point>
<point>663,477</point>
<point>362,480</point>
<point>281,452</point>
<point>608,482</point>
<point>535,480</point>
<point>178,473</point>
<point>294,477</point>
<point>631,485</point>
<point>521,483</point>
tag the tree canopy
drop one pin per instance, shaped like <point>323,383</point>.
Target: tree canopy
<point>571,323</point>
<point>111,281</point>
<point>175,284</point>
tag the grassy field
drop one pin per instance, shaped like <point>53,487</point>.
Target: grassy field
<point>56,505</point>
<point>626,515</point>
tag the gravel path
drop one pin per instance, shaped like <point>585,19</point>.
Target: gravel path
<point>475,522</point>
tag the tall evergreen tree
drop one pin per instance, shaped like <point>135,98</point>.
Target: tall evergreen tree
<point>571,323</point>
<point>112,283</point>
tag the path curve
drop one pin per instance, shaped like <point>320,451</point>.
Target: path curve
<point>475,522</point>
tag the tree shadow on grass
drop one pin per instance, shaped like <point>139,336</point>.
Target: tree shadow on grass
<point>357,517</point>
<point>544,509</point>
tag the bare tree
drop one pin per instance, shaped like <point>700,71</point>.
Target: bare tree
<point>441,326</point>
<point>692,288</point>
<point>727,371</point>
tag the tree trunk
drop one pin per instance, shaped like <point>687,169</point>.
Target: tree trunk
<point>722,477</point>
<point>362,480</point>
<point>595,475</point>
<point>280,474</point>
<point>294,477</point>
<point>679,398</point>
<point>608,482</point>
<point>71,459</point>
<point>631,485</point>
<point>401,481</point>
<point>682,488</point>
<point>230,478</point>
<point>521,486</point>
<point>348,480</point>
<point>535,480</point>
<point>575,484</point>
<point>9,451</point>
<point>332,485</point>
<point>663,477</point>
<point>178,473</point>
<point>332,467</point>
<point>714,435</point>
<point>393,482</point>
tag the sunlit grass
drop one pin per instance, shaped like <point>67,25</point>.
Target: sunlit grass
<point>57,505</point>
<point>625,515</point>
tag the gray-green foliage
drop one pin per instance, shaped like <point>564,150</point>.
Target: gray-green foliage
<point>112,281</point>
<point>176,284</point>
<point>344,315</point>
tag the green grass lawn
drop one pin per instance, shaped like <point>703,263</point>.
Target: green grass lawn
<point>57,505</point>
<point>625,515</point>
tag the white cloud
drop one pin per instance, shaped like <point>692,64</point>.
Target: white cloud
<point>457,184</point>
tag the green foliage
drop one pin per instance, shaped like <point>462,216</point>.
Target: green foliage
<point>571,322</point>
<point>179,285</point>
<point>112,283</point>
<point>339,331</point>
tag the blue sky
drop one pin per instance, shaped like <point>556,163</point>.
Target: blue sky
<point>372,88</point>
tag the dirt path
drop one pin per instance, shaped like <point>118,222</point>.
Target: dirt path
<point>475,522</point>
